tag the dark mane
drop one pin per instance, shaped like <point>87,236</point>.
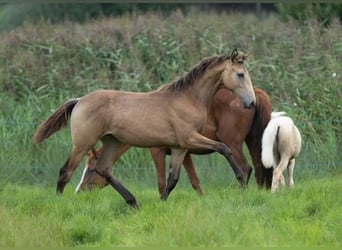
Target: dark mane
<point>195,73</point>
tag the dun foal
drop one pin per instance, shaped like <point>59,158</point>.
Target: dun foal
<point>172,116</point>
<point>281,144</point>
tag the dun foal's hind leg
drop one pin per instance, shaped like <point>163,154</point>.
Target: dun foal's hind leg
<point>192,174</point>
<point>69,167</point>
<point>177,157</point>
<point>104,168</point>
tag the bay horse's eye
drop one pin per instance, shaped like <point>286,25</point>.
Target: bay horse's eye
<point>240,75</point>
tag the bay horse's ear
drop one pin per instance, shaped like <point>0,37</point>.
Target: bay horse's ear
<point>234,55</point>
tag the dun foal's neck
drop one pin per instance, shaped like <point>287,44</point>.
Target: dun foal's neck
<point>206,87</point>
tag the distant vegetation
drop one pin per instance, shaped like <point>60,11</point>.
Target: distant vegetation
<point>42,65</point>
<point>14,15</point>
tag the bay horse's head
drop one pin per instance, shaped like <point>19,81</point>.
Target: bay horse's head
<point>236,78</point>
<point>90,178</point>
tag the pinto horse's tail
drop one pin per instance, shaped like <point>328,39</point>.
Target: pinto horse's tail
<point>269,139</point>
<point>59,119</point>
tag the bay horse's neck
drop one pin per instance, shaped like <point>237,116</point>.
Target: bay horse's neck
<point>205,88</point>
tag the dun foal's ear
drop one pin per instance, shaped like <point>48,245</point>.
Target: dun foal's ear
<point>234,55</point>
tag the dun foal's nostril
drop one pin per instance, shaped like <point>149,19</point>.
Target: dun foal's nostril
<point>251,105</point>
<point>240,75</point>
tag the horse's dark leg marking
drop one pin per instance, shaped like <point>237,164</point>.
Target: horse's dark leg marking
<point>69,167</point>
<point>125,193</point>
<point>177,157</point>
<point>61,183</point>
<point>227,153</point>
<point>104,168</point>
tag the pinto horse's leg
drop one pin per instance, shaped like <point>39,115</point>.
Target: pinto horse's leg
<point>278,173</point>
<point>104,168</point>
<point>177,157</point>
<point>158,156</point>
<point>199,141</point>
<point>290,169</point>
<point>192,174</point>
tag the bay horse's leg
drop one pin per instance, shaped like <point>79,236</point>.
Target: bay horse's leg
<point>192,174</point>
<point>267,176</point>
<point>177,157</point>
<point>69,167</point>
<point>290,169</point>
<point>198,141</point>
<point>158,156</point>
<point>104,168</point>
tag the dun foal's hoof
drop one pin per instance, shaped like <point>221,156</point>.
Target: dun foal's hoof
<point>133,204</point>
<point>243,183</point>
<point>164,196</point>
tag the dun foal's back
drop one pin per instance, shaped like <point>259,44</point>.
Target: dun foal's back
<point>281,144</point>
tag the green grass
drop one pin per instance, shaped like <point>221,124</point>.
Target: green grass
<point>308,215</point>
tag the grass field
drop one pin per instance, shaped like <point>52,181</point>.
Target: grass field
<point>308,215</point>
<point>41,66</point>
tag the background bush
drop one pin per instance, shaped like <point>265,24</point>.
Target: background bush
<point>323,12</point>
<point>14,15</point>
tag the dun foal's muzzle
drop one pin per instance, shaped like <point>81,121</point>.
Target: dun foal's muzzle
<point>250,105</point>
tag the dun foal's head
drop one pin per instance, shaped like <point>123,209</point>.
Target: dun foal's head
<point>236,78</point>
<point>90,178</point>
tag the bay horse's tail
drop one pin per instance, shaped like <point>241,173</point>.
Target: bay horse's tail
<point>263,111</point>
<point>59,119</point>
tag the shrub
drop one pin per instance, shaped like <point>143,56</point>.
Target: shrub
<point>324,12</point>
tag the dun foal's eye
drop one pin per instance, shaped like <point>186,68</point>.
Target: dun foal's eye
<point>240,75</point>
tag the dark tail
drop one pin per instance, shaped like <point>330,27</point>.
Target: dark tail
<point>55,122</point>
<point>263,110</point>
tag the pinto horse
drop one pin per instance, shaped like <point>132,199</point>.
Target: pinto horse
<point>227,122</point>
<point>281,144</point>
<point>171,116</point>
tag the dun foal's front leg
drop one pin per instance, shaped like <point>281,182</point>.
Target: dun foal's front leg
<point>177,157</point>
<point>199,141</point>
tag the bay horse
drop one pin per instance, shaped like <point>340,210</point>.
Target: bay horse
<point>171,116</point>
<point>281,144</point>
<point>228,122</point>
